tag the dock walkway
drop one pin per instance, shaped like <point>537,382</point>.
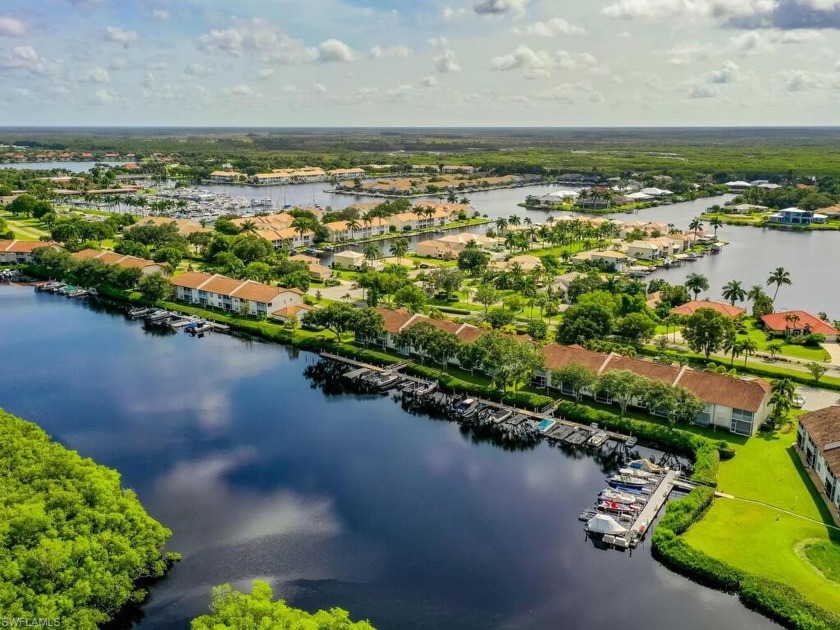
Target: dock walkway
<point>643,522</point>
<point>586,432</point>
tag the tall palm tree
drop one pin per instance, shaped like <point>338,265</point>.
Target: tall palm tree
<point>792,320</point>
<point>514,220</point>
<point>399,249</point>
<point>755,292</point>
<point>352,226</point>
<point>779,276</point>
<point>372,252</point>
<point>696,283</point>
<point>248,227</point>
<point>748,348</point>
<point>695,226</point>
<point>716,222</point>
<point>501,225</point>
<point>734,292</point>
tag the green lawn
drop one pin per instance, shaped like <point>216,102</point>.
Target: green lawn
<point>801,352</point>
<point>763,540</point>
<point>826,557</point>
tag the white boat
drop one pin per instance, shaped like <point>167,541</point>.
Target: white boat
<point>611,494</point>
<point>635,472</point>
<point>604,524</point>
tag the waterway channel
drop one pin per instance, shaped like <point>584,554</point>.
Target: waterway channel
<point>336,498</point>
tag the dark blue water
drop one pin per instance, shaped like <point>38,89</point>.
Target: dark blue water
<point>337,499</point>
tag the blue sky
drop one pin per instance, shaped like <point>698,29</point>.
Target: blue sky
<point>429,62</point>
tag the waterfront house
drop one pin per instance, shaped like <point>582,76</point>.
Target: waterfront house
<point>796,216</point>
<point>228,294</point>
<point>20,252</point>
<point>796,323</point>
<point>341,231</point>
<point>616,260</point>
<point>644,250</point>
<point>437,216</point>
<point>738,186</point>
<point>451,245</point>
<point>818,440</point>
<point>462,169</point>
<point>287,237</point>
<point>185,227</point>
<point>396,321</point>
<point>745,208</point>
<point>147,267</point>
<point>276,221</point>
<point>346,173</point>
<point>294,311</point>
<point>727,310</point>
<point>656,193</point>
<point>227,177</point>
<point>349,259</point>
<point>738,405</point>
<point>317,271</point>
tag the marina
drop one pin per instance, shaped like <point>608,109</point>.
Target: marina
<point>350,497</point>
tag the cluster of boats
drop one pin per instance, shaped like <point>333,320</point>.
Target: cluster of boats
<point>628,490</point>
<point>67,290</point>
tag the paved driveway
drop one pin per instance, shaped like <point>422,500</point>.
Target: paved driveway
<point>817,398</point>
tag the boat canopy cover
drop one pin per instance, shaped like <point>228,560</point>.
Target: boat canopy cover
<point>604,524</point>
<point>645,464</point>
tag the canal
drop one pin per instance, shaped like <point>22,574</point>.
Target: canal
<point>338,499</point>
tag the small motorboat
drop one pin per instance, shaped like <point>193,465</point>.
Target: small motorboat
<point>620,508</point>
<point>387,381</point>
<point>626,481</point>
<point>635,472</point>
<point>500,415</point>
<point>426,388</point>
<point>465,408</point>
<point>611,494</point>
<point>598,439</point>
<point>631,442</point>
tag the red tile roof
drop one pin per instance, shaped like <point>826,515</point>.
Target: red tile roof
<point>823,426</point>
<point>24,247</point>
<point>778,323</point>
<point>690,308</point>
<point>725,390</point>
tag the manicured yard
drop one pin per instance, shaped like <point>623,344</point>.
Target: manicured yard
<point>791,350</point>
<point>826,557</point>
<point>761,539</point>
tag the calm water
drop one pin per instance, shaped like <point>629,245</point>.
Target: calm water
<point>336,499</point>
<point>73,167</point>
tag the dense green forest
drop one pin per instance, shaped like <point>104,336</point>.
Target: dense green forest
<point>73,542</point>
<point>232,610</point>
<point>743,153</point>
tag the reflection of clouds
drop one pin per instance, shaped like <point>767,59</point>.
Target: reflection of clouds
<point>204,389</point>
<point>199,499</point>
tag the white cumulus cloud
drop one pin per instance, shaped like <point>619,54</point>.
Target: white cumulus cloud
<point>120,35</point>
<point>447,62</point>
<point>335,50</point>
<point>533,63</point>
<point>555,27</point>
<point>97,75</point>
<point>395,52</point>
<point>12,27</point>
<point>500,7</point>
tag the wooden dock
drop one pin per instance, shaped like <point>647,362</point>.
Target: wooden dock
<point>643,522</point>
<point>534,415</point>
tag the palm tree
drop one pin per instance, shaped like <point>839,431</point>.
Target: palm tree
<point>514,220</point>
<point>697,283</point>
<point>734,292</point>
<point>352,226</point>
<point>372,252</point>
<point>755,292</point>
<point>748,348</point>
<point>399,249</point>
<point>695,226</point>
<point>779,277</point>
<point>782,397</point>
<point>823,316</point>
<point>716,222</point>
<point>248,227</point>
<point>792,321</point>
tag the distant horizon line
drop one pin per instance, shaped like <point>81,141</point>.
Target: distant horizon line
<point>414,127</point>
